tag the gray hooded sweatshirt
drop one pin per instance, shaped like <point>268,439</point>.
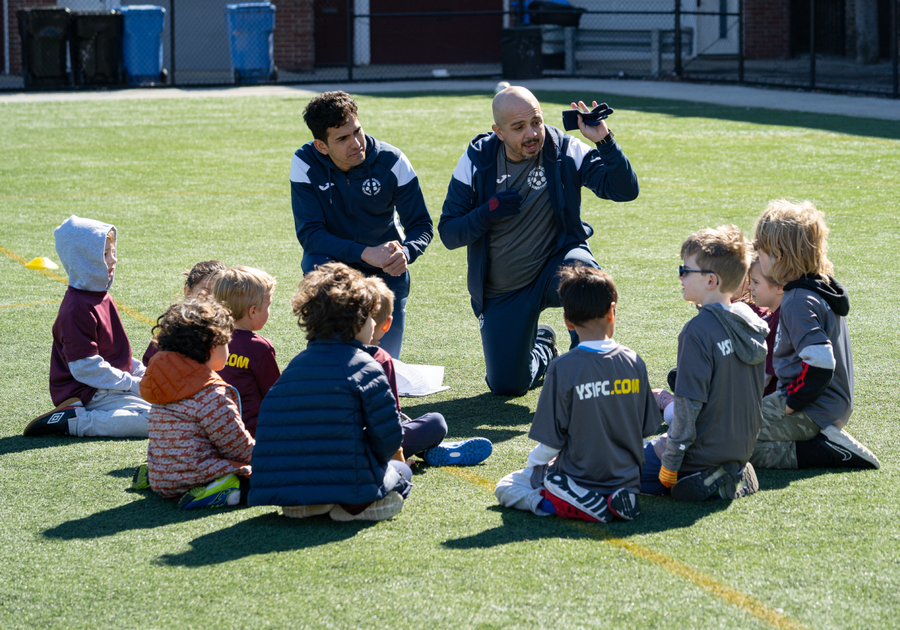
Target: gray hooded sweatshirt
<point>718,390</point>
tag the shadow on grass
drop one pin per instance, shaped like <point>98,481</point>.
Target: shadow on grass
<point>835,123</point>
<point>484,415</point>
<point>261,535</point>
<point>21,444</point>
<point>659,514</point>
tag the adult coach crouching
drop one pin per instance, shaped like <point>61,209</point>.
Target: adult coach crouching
<point>515,202</point>
<point>352,197</point>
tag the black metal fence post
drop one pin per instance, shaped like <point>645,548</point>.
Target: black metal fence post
<point>812,44</point>
<point>350,42</point>
<point>740,41</point>
<point>678,69</point>
<point>172,41</point>
<point>895,35</point>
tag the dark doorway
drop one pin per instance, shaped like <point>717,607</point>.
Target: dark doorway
<point>831,27</point>
<point>331,32</point>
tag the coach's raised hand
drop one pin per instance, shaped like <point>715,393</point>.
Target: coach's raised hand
<point>594,134</point>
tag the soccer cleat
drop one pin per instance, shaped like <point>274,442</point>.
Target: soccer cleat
<point>54,422</point>
<point>846,452</point>
<point>466,453</point>
<point>221,492</point>
<point>304,511</point>
<point>702,485</point>
<point>141,478</point>
<point>547,336</point>
<point>623,504</point>
<point>383,510</point>
<point>742,485</point>
<point>588,501</point>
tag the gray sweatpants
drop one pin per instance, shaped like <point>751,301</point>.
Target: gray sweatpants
<point>111,413</point>
<point>776,444</point>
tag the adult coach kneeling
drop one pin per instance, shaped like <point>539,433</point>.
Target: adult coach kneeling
<point>515,203</point>
<point>351,194</point>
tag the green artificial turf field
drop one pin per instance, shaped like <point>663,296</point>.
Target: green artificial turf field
<point>189,180</point>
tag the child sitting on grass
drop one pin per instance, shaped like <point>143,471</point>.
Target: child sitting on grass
<point>93,378</point>
<point>199,449</point>
<point>251,367</point>
<point>594,410</point>
<point>767,295</point>
<point>719,379</point>
<point>329,427</point>
<point>197,283</point>
<point>803,420</point>
<point>424,435</point>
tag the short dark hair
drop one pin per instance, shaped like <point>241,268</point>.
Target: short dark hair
<point>201,271</point>
<point>328,109</point>
<point>334,300</point>
<point>193,328</point>
<point>586,293</point>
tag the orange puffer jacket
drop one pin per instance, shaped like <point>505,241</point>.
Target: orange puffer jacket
<point>196,432</point>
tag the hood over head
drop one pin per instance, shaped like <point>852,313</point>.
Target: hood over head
<point>80,244</point>
<point>171,376</point>
<point>832,291</point>
<point>745,329</point>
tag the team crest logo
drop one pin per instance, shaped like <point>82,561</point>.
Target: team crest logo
<point>537,178</point>
<point>371,186</point>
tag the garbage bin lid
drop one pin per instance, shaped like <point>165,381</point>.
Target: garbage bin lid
<point>250,6</point>
<point>141,7</point>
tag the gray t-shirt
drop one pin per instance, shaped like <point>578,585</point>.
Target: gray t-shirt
<point>520,245</point>
<point>807,320</point>
<point>710,372</point>
<point>597,407</point>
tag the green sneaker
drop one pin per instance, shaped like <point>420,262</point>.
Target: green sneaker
<point>141,478</point>
<point>221,492</point>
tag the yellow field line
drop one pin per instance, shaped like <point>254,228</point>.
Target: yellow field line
<point>135,314</point>
<point>30,304</point>
<point>737,599</point>
<point>149,194</point>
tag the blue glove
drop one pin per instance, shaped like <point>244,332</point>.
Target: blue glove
<point>506,203</point>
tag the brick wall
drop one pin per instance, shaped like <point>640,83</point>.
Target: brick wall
<point>767,29</point>
<point>294,32</point>
<point>15,42</point>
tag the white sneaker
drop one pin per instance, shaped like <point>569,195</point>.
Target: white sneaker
<point>849,452</point>
<point>383,510</point>
<point>304,511</point>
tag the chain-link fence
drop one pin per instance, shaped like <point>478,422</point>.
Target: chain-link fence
<point>843,45</point>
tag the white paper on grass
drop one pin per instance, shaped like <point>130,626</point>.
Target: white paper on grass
<point>419,380</point>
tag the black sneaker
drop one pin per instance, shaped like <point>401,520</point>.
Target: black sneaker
<point>845,452</point>
<point>54,422</point>
<point>547,336</point>
<point>702,485</point>
<point>588,501</point>
<point>743,485</point>
<point>623,504</point>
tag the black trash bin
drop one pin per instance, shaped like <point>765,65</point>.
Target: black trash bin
<point>96,47</point>
<point>556,13</point>
<point>45,36</point>
<point>520,50</point>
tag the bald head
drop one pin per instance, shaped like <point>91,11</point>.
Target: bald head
<point>512,100</point>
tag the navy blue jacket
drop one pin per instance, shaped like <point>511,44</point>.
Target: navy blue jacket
<point>326,429</point>
<point>569,164</point>
<point>340,214</point>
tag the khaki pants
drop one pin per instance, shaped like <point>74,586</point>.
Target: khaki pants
<point>776,443</point>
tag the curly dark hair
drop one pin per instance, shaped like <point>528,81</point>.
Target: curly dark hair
<point>194,328</point>
<point>201,271</point>
<point>329,109</point>
<point>334,301</point>
<point>586,293</point>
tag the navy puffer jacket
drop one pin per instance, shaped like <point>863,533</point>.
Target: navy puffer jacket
<point>326,430</point>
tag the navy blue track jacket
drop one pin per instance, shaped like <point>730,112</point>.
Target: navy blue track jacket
<point>569,164</point>
<point>340,214</point>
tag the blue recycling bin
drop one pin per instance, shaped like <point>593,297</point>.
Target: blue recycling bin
<point>142,49</point>
<point>250,37</point>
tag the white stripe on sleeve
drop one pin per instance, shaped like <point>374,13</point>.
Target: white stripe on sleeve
<point>403,171</point>
<point>577,151</point>
<point>299,170</point>
<point>463,170</point>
